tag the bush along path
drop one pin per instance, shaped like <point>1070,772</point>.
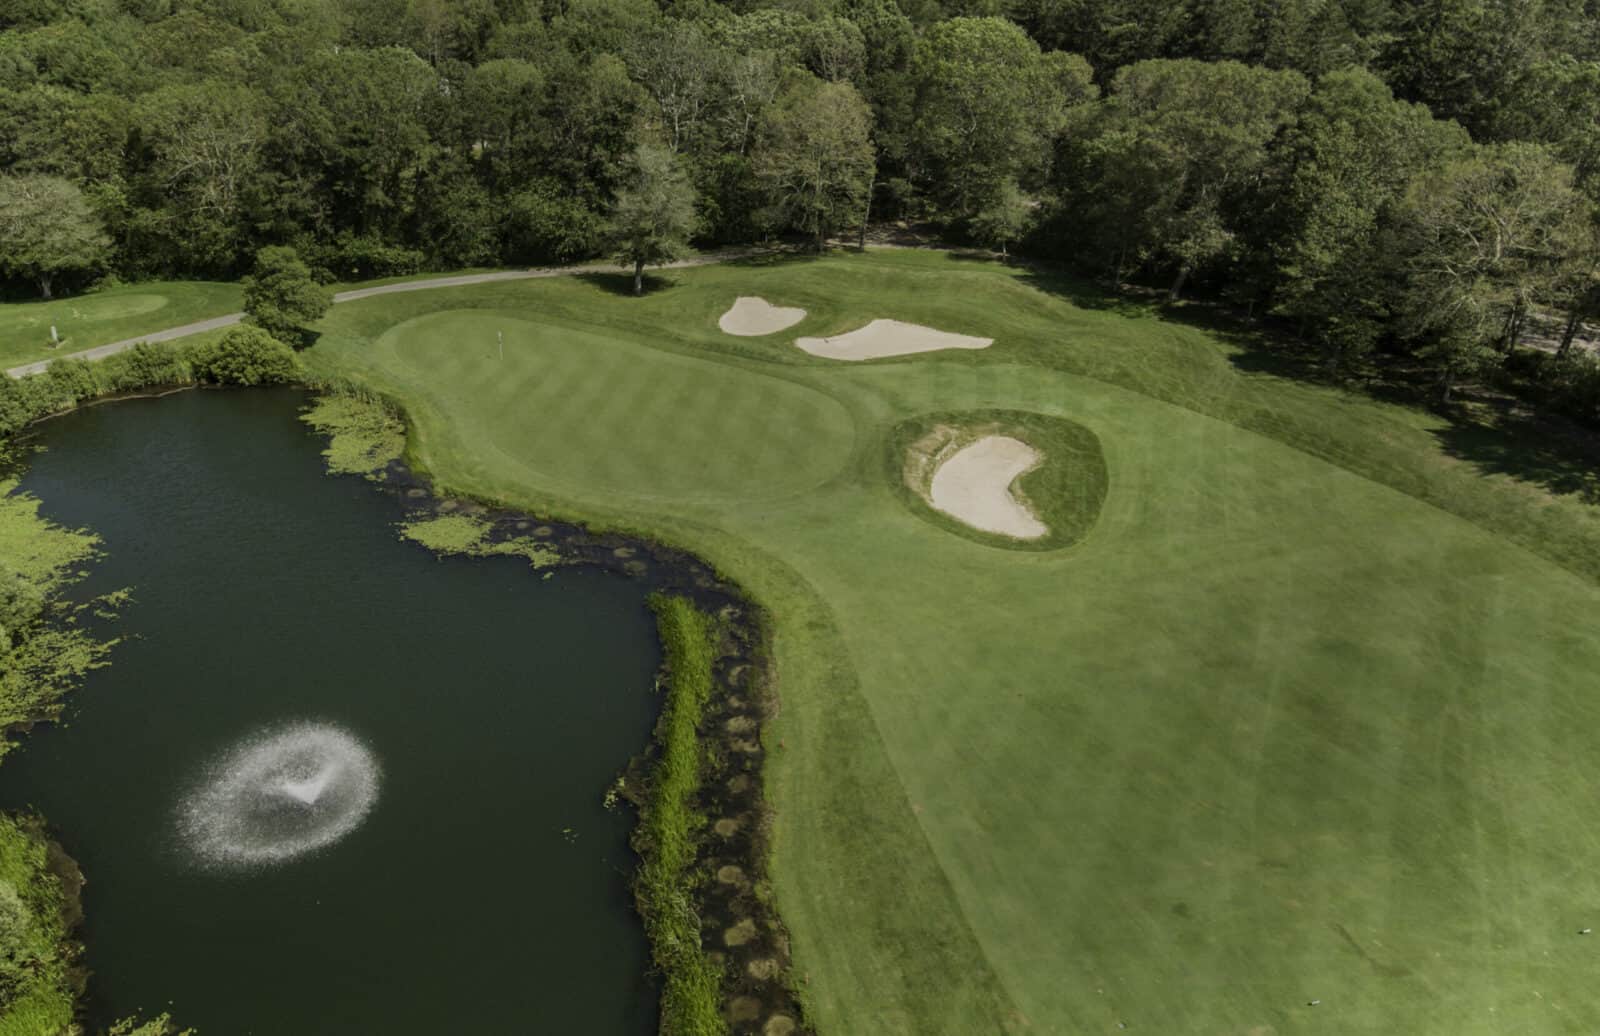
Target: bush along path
<point>703,836</point>
<point>100,352</point>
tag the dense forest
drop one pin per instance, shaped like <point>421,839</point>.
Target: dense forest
<point>1412,182</point>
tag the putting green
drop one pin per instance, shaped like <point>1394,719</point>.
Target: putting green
<point>580,410</point>
<point>1297,719</point>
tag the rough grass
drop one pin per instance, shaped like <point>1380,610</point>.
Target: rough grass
<point>1065,490</point>
<point>36,992</point>
<point>1308,715</point>
<point>668,826</point>
<point>85,321</point>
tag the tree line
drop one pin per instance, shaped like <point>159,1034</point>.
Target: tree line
<point>1401,181</point>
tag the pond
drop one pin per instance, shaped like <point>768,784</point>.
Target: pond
<point>474,881</point>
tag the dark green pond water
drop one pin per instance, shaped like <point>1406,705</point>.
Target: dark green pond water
<point>486,889</point>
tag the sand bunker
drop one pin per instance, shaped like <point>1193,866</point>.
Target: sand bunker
<point>752,316</point>
<point>974,485</point>
<point>888,338</point>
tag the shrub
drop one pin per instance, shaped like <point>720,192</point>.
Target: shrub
<point>63,384</point>
<point>143,366</point>
<point>245,356</point>
<point>13,407</point>
<point>281,296</point>
<point>66,383</point>
<point>72,380</point>
<point>350,257</point>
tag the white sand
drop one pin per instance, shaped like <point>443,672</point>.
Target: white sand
<point>752,316</point>
<point>974,486</point>
<point>888,338</point>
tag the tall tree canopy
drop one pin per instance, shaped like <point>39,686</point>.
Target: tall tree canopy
<point>1177,143</point>
<point>1341,173</point>
<point>1487,237</point>
<point>988,105</point>
<point>814,157</point>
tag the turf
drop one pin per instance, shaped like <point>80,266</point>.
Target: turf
<point>1308,714</point>
<point>85,321</point>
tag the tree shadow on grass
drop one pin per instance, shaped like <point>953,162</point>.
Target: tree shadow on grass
<point>1529,448</point>
<point>1495,434</point>
<point>791,256</point>
<point>621,283</point>
<point>1080,291</point>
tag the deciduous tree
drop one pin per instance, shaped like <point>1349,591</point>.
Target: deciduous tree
<point>1172,145</point>
<point>814,157</point>
<point>1005,218</point>
<point>1485,239</point>
<point>204,155</point>
<point>47,229</point>
<point>1340,174</point>
<point>987,107</point>
<point>654,214</point>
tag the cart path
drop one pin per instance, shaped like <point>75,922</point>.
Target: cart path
<point>457,281</point>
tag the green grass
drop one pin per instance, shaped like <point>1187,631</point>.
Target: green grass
<point>1308,714</point>
<point>85,321</point>
<point>690,982</point>
<point>36,994</point>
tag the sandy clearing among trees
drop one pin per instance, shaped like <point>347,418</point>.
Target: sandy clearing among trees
<point>974,486</point>
<point>753,316</point>
<point>888,338</point>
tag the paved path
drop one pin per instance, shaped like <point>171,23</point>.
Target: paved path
<point>460,280</point>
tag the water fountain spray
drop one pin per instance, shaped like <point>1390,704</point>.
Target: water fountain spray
<point>278,795</point>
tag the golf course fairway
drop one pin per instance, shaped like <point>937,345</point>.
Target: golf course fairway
<point>1309,713</point>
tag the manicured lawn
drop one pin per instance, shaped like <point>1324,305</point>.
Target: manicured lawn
<point>1308,714</point>
<point>85,321</point>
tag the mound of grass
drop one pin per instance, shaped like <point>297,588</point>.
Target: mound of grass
<point>1065,490</point>
<point>668,825</point>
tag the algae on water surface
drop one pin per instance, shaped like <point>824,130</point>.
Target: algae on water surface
<point>44,650</point>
